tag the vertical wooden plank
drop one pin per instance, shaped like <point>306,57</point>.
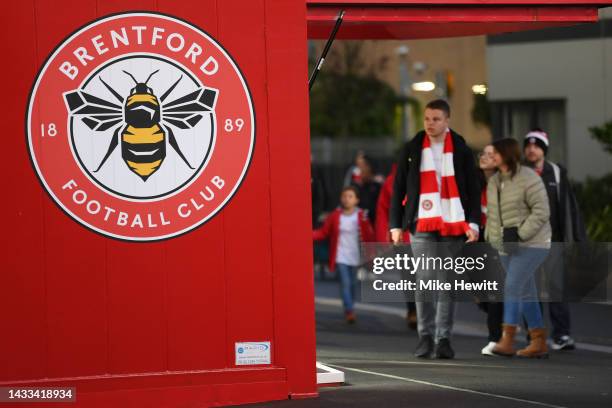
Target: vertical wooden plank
<point>74,257</point>
<point>247,217</point>
<point>137,329</point>
<point>195,261</point>
<point>22,291</point>
<point>290,192</point>
<point>136,283</point>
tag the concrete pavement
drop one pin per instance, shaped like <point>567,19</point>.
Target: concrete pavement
<point>376,356</point>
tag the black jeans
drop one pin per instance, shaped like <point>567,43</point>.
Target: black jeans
<point>559,319</point>
<point>495,318</point>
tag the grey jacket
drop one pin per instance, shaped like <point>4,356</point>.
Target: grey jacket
<point>524,204</point>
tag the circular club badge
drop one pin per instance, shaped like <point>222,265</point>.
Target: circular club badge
<point>140,126</point>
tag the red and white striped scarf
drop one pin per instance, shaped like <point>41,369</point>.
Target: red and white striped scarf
<point>440,211</point>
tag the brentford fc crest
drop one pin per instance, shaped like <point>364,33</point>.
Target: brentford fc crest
<point>140,126</point>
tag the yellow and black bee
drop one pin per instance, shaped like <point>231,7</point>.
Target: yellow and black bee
<point>143,122</point>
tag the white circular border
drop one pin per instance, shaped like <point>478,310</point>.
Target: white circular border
<point>32,96</point>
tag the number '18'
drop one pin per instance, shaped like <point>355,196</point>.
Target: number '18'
<point>48,130</point>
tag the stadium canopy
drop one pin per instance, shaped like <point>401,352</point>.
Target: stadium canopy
<point>414,19</point>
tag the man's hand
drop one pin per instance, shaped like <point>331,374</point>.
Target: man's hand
<point>472,235</point>
<point>396,235</point>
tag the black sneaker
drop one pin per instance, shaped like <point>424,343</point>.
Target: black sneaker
<point>563,343</point>
<point>425,347</point>
<point>444,350</point>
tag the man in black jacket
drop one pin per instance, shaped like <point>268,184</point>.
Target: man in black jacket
<point>447,212</point>
<point>567,226</point>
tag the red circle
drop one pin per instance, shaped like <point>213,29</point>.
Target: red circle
<point>427,205</point>
<point>65,181</point>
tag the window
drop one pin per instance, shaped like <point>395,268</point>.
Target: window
<point>515,119</point>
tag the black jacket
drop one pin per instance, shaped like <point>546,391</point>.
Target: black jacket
<point>565,218</point>
<point>407,182</point>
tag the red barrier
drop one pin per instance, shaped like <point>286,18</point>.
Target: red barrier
<point>416,19</point>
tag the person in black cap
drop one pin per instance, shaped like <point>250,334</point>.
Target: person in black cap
<point>566,223</point>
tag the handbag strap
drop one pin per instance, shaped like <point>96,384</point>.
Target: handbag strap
<point>499,187</point>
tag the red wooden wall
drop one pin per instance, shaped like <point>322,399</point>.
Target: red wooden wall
<point>80,309</point>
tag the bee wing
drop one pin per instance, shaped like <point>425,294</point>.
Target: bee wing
<point>97,113</point>
<point>186,112</point>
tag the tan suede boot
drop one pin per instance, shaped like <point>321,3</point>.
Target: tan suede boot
<point>537,347</point>
<point>505,346</point>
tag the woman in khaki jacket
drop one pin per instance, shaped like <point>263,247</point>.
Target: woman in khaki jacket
<point>518,226</point>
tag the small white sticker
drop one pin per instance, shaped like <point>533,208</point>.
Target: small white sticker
<point>252,353</point>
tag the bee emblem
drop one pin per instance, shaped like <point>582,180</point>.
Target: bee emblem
<point>142,122</point>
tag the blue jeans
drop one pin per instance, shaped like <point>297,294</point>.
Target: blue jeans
<point>521,294</point>
<point>347,284</point>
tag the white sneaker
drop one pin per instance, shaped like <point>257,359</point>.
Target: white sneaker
<point>564,343</point>
<point>488,349</point>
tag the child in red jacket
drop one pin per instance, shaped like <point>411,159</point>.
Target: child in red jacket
<point>346,228</point>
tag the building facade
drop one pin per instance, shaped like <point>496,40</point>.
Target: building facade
<point>558,79</point>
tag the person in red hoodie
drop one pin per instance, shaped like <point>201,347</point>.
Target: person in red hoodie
<point>381,228</point>
<point>345,228</point>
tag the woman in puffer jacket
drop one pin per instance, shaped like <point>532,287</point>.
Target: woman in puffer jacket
<point>518,226</point>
